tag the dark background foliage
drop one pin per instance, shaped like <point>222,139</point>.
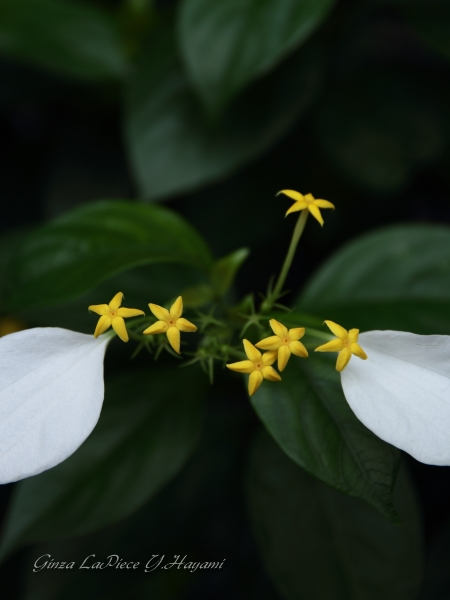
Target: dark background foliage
<point>355,109</point>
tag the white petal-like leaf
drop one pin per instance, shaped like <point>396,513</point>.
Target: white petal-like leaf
<point>51,395</point>
<point>402,392</point>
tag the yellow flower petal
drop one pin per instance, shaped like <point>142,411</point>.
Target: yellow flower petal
<point>270,343</point>
<point>176,310</point>
<point>342,360</point>
<point>314,210</point>
<point>129,312</point>
<point>158,327</point>
<point>116,301</point>
<point>251,352</point>
<point>173,335</point>
<point>296,333</point>
<point>298,349</point>
<point>243,366</point>
<point>278,328</point>
<point>268,358</point>
<point>284,354</point>
<point>323,204</point>
<point>296,207</point>
<point>254,381</point>
<point>292,194</point>
<point>332,346</point>
<point>161,313</point>
<point>103,324</point>
<point>353,335</point>
<point>358,351</point>
<point>100,309</point>
<point>118,324</point>
<point>270,374</point>
<point>185,325</point>
<point>338,331</point>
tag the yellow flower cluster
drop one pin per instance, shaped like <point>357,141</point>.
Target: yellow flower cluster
<point>169,322</point>
<point>279,346</point>
<point>286,342</point>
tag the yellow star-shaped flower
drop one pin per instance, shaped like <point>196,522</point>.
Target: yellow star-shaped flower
<point>259,367</point>
<point>308,202</point>
<point>113,314</point>
<point>346,344</point>
<point>170,322</point>
<point>284,342</point>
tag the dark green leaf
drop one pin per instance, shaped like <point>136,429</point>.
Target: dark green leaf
<point>317,543</point>
<point>380,126</point>
<point>180,516</point>
<point>172,146</point>
<point>196,296</point>
<point>69,37</point>
<point>308,416</point>
<point>397,278</point>
<point>90,244</point>
<point>228,43</point>
<point>159,284</point>
<point>225,270</point>
<point>149,426</point>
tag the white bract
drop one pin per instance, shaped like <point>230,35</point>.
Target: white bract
<point>51,395</point>
<point>402,392</point>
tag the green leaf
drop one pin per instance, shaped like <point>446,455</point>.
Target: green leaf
<point>317,543</point>
<point>396,278</point>
<point>149,426</point>
<point>180,516</point>
<point>72,38</point>
<point>172,146</point>
<point>196,296</point>
<point>90,244</point>
<point>159,284</point>
<point>225,270</point>
<point>229,43</point>
<point>380,126</point>
<point>308,415</point>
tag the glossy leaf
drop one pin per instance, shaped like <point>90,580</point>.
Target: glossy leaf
<point>172,146</point>
<point>90,244</point>
<point>227,44</point>
<point>146,432</point>
<point>181,515</point>
<point>159,284</point>
<point>225,270</point>
<point>396,278</point>
<point>307,414</point>
<point>317,543</point>
<point>72,38</point>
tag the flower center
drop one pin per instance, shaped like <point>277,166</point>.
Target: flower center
<point>171,322</point>
<point>286,341</point>
<point>259,366</point>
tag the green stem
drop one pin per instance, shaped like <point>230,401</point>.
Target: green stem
<point>269,302</point>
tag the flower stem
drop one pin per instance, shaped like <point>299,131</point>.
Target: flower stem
<point>300,226</point>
